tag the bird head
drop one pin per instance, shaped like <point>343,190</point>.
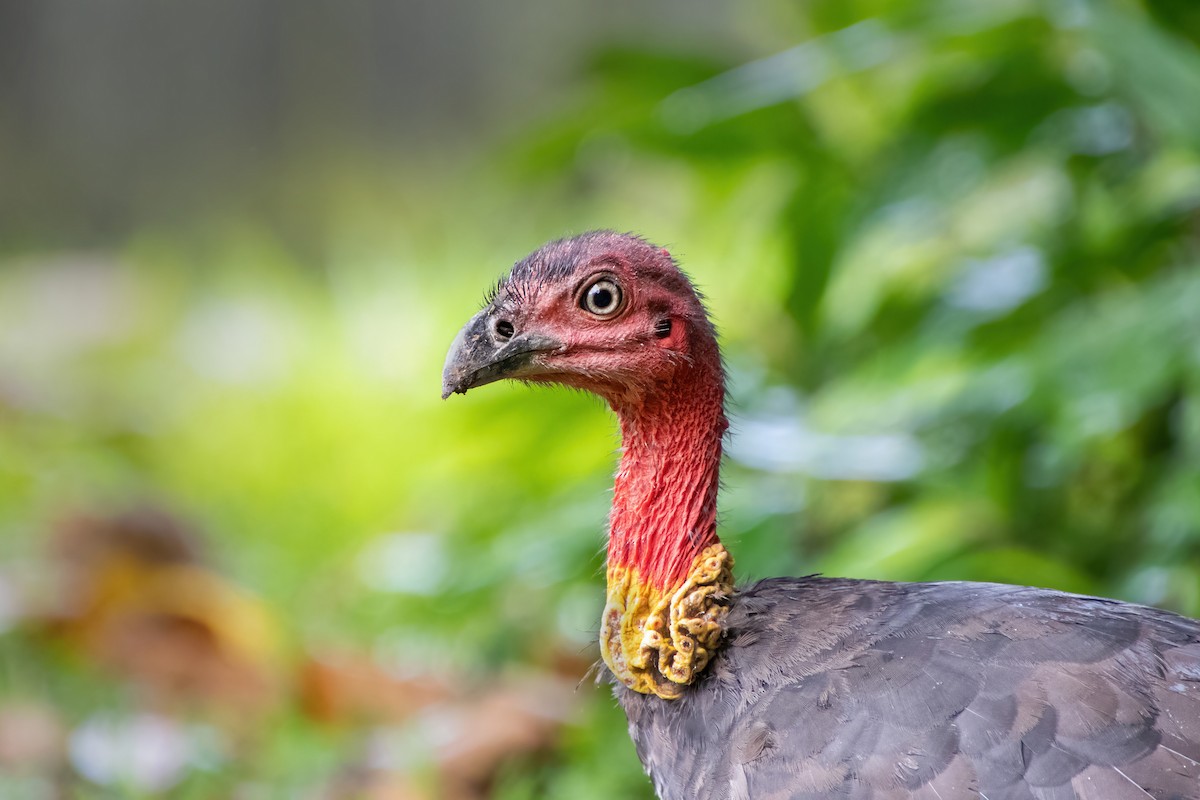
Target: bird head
<point>605,312</point>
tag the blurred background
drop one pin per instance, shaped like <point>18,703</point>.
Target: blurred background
<point>953,248</point>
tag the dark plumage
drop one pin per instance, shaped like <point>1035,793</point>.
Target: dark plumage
<point>830,688</point>
<point>799,689</point>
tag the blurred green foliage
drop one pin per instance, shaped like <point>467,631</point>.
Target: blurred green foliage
<point>953,250</point>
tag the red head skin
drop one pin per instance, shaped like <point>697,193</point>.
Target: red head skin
<point>666,387</point>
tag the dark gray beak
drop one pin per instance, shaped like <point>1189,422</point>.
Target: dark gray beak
<point>480,354</point>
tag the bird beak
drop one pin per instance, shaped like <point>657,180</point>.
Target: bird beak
<point>477,356</point>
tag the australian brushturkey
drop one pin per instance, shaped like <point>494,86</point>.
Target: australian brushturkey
<point>805,688</point>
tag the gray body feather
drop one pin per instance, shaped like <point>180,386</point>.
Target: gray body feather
<point>830,689</point>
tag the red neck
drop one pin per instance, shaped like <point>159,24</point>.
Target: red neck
<point>664,510</point>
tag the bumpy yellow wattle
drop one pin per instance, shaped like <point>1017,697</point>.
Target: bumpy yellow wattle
<point>658,641</point>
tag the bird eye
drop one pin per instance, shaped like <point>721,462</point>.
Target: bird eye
<point>602,298</point>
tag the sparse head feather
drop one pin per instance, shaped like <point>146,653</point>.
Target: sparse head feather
<point>575,257</point>
<point>605,312</point>
<point>658,319</point>
<point>561,258</point>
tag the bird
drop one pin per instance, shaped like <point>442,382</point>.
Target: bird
<point>816,688</point>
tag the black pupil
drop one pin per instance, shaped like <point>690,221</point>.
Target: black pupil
<point>602,298</point>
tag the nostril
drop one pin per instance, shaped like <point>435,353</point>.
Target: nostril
<point>504,329</point>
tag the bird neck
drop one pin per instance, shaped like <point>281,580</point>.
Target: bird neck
<point>668,573</point>
<point>664,510</point>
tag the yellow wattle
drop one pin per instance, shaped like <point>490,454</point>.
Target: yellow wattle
<point>657,641</point>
